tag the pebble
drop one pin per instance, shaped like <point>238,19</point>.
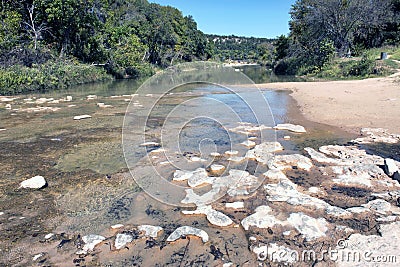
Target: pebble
<point>117,226</point>
<point>188,230</point>
<point>48,236</point>
<point>82,117</point>
<point>36,182</point>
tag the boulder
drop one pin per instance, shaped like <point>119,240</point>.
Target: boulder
<point>187,230</point>
<point>390,167</point>
<point>121,240</point>
<point>36,182</point>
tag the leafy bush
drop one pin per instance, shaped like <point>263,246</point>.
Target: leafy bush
<point>48,76</point>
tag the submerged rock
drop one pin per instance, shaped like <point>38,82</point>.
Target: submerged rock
<point>214,217</point>
<point>237,183</point>
<point>121,240</point>
<point>291,127</point>
<point>188,230</point>
<point>150,230</point>
<point>194,178</point>
<point>309,227</point>
<point>36,182</point>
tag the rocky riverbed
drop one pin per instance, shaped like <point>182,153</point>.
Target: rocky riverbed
<point>67,198</point>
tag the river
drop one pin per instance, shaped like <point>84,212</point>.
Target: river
<point>90,186</point>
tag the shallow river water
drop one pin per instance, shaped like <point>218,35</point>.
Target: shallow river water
<point>90,186</point>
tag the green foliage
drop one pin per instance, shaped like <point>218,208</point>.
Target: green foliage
<point>9,28</point>
<point>48,76</point>
<point>237,48</point>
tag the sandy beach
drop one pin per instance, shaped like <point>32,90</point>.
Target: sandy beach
<point>350,105</point>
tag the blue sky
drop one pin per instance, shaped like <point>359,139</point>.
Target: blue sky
<point>258,18</point>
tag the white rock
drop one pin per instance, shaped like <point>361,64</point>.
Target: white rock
<point>214,217</point>
<point>290,127</point>
<point>309,227</point>
<point>286,191</point>
<point>1,213</point>
<point>91,97</point>
<point>261,219</point>
<point>378,205</point>
<point>322,158</point>
<point>48,236</point>
<point>36,182</point>
<point>378,135</point>
<point>286,233</point>
<point>248,128</point>
<point>231,152</point>
<point>390,167</point>
<point>287,137</point>
<point>275,174</point>
<point>235,205</point>
<point>102,105</point>
<point>188,230</point>
<point>229,264</point>
<point>150,144</point>
<point>68,98</point>
<point>121,240</point>
<point>263,152</point>
<point>215,154</point>
<point>37,256</point>
<point>117,226</point>
<point>91,241</point>
<point>387,219</point>
<point>236,159</point>
<point>82,117</point>
<point>8,106</point>
<point>2,130</point>
<point>283,162</point>
<point>194,178</point>
<point>215,168</point>
<point>351,155</point>
<point>314,190</point>
<point>252,239</point>
<point>358,209</point>
<point>249,143</point>
<point>150,230</point>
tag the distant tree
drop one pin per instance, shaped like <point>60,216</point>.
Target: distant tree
<point>338,20</point>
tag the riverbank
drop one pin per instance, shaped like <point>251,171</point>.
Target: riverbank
<point>350,105</point>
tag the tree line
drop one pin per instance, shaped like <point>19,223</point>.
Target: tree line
<point>128,37</point>
<point>323,29</point>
